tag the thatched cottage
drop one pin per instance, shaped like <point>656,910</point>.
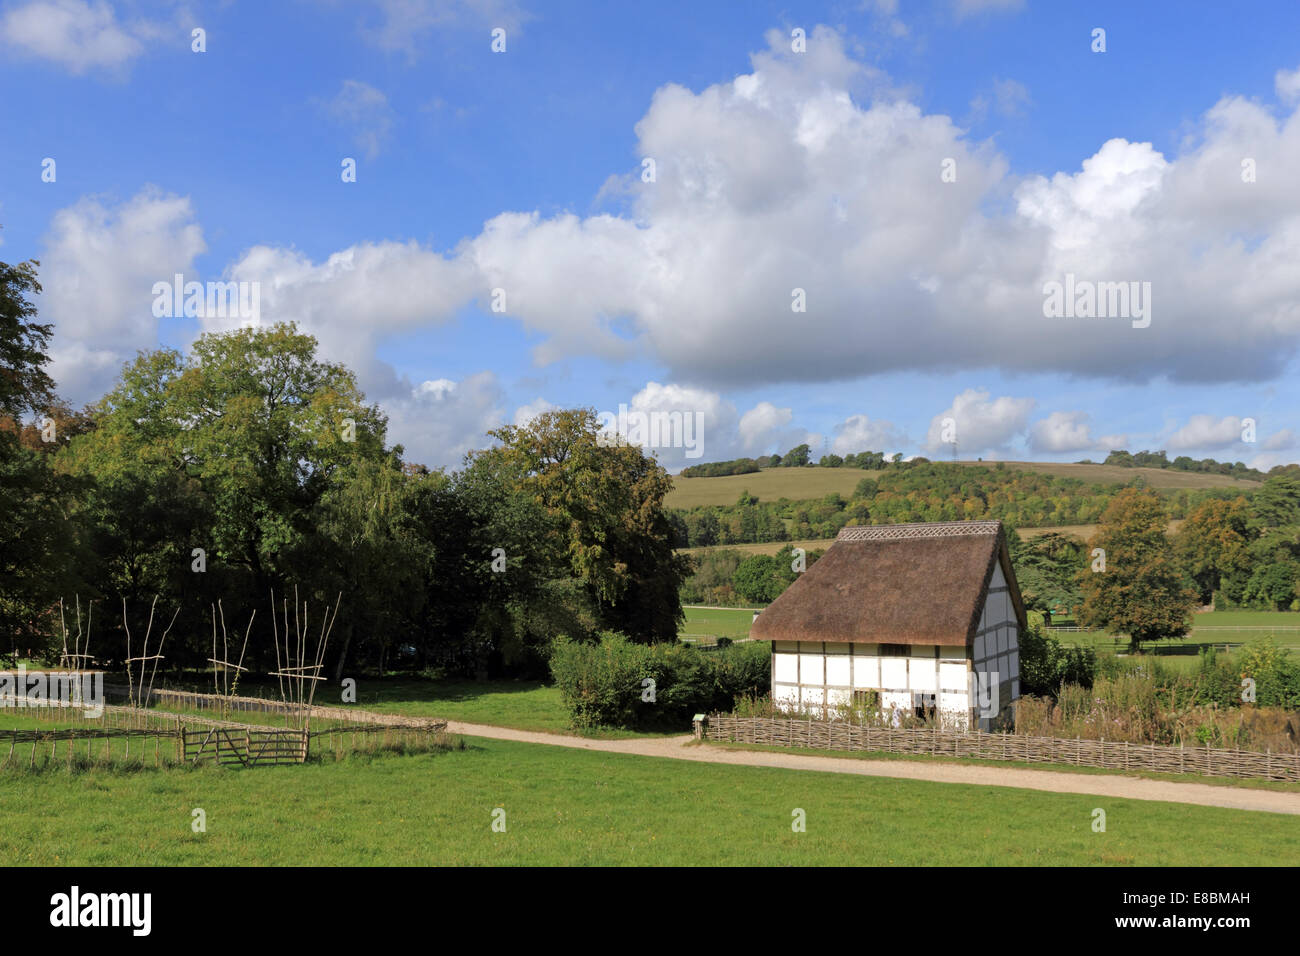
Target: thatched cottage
<point>919,618</point>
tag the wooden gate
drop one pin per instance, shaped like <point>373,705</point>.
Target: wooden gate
<point>220,745</point>
<point>244,746</point>
<point>277,746</point>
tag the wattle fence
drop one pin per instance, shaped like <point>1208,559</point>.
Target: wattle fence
<point>1016,748</point>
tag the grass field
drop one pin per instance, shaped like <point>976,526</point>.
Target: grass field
<point>798,484</point>
<point>707,622</point>
<point>1241,627</point>
<point>579,807</point>
<point>1081,531</point>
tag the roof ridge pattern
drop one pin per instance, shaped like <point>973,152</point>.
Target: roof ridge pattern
<point>932,529</point>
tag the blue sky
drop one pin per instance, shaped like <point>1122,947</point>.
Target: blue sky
<point>775,169</point>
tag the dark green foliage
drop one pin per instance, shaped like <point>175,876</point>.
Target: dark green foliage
<point>1047,569</point>
<point>24,384</point>
<point>1158,459</point>
<point>603,684</point>
<point>724,577</point>
<point>737,466</point>
<point>1045,664</point>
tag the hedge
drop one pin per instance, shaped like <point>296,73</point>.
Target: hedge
<point>604,684</point>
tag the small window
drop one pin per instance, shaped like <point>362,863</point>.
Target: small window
<point>895,650</point>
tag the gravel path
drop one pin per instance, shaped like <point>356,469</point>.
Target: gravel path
<point>1105,785</point>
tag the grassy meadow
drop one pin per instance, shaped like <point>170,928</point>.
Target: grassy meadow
<point>581,807</point>
<point>797,484</point>
<point>707,624</point>
<point>1081,531</point>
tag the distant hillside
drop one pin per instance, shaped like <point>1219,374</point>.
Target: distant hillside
<point>1083,532</point>
<point>803,484</point>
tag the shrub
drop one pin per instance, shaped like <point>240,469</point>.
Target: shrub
<point>1045,664</point>
<point>602,683</point>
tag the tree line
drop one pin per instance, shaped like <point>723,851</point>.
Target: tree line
<point>1131,577</point>
<point>252,466</point>
<point>923,491</point>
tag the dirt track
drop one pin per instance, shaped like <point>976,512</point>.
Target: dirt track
<point>1106,785</point>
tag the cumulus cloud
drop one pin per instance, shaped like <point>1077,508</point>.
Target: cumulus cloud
<point>760,426</point>
<point>356,297</point>
<point>811,173</point>
<point>98,270</point>
<point>859,433</point>
<point>76,34</point>
<point>1287,85</point>
<point>524,414</point>
<point>1205,432</point>
<point>716,429</point>
<point>980,423</point>
<point>1061,432</point>
<point>438,421</point>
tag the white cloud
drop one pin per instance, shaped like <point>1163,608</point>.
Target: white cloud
<point>810,173</point>
<point>356,297</point>
<point>365,111</point>
<point>405,25</point>
<point>1286,438</point>
<point>1287,85</point>
<point>760,426</point>
<point>981,424</point>
<point>1063,432</point>
<point>859,433</point>
<point>98,270</point>
<point>76,34</point>
<point>524,414</point>
<point>438,421</point>
<point>1205,432</point>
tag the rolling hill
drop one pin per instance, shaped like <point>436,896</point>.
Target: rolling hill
<point>799,484</point>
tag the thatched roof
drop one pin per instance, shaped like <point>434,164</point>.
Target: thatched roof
<point>895,584</point>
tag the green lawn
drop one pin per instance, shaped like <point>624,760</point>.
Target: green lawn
<point>708,624</point>
<point>1232,628</point>
<point>524,705</point>
<point>579,807</point>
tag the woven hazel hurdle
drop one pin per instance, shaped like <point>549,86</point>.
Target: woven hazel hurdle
<point>1103,754</point>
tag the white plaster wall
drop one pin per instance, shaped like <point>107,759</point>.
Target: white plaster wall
<point>812,668</point>
<point>893,672</point>
<point>952,675</point>
<point>837,669</point>
<point>866,671</point>
<point>786,667</point>
<point>923,675</point>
